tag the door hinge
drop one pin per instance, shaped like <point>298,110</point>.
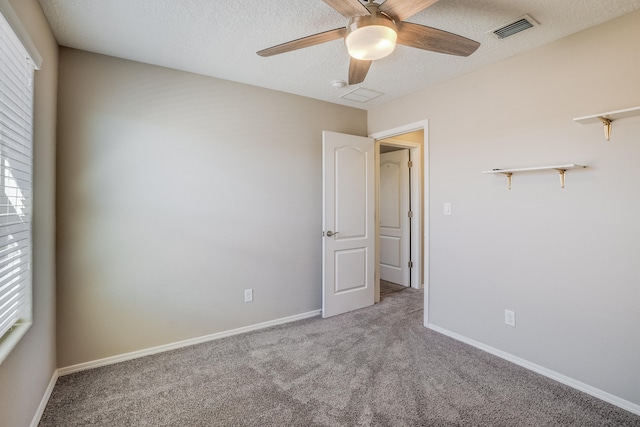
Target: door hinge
<point>410,264</point>
<point>410,214</point>
<point>410,164</point>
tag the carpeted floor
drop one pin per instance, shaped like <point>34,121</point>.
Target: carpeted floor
<point>373,367</point>
<point>390,287</point>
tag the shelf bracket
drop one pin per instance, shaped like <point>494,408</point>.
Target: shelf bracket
<point>607,127</point>
<point>561,172</point>
<point>508,175</point>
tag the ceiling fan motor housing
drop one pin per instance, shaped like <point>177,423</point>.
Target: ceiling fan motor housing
<point>371,37</point>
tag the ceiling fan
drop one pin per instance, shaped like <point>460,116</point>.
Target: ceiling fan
<point>373,31</point>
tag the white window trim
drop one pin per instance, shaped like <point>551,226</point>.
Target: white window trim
<point>21,32</point>
<point>11,338</point>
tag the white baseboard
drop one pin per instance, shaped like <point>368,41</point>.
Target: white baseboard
<point>45,399</point>
<point>578,385</point>
<point>166,347</point>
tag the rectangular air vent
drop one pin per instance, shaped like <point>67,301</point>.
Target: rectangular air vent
<point>523,23</point>
<point>361,94</point>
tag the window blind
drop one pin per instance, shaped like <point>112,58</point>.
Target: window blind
<point>16,149</point>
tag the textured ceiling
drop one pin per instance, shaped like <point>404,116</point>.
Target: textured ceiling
<point>220,38</point>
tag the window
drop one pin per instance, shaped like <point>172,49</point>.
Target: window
<point>16,148</point>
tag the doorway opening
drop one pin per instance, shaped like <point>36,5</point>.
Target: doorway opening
<point>350,208</point>
<point>401,226</point>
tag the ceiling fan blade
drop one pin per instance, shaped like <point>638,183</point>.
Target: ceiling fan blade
<point>400,10</point>
<point>358,70</point>
<point>427,38</point>
<point>349,9</point>
<point>303,42</point>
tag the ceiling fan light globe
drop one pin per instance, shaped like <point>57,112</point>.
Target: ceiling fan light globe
<point>371,42</point>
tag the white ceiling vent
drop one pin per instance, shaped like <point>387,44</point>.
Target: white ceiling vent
<point>361,94</point>
<point>522,23</point>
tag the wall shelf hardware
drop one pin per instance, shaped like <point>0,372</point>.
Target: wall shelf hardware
<point>607,118</point>
<point>561,169</point>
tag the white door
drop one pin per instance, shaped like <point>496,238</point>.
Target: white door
<point>394,217</point>
<point>347,223</point>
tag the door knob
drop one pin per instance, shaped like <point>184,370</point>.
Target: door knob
<point>331,233</point>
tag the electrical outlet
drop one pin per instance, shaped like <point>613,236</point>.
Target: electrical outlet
<point>248,295</point>
<point>510,318</point>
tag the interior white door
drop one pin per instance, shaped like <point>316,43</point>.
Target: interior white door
<point>348,223</point>
<point>394,217</point>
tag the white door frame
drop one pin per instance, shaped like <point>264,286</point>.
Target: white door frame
<point>422,150</point>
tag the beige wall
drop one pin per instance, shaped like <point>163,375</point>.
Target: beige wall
<point>25,374</point>
<point>566,261</point>
<point>176,193</point>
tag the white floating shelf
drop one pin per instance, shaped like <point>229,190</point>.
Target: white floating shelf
<point>606,118</point>
<point>539,168</point>
<point>561,169</point>
<point>611,115</point>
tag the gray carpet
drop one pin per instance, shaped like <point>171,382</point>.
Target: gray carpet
<point>373,367</point>
<point>390,287</point>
